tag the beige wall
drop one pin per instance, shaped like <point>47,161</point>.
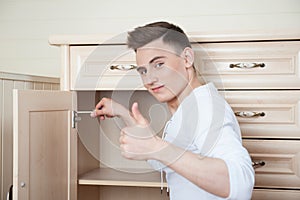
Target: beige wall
<point>25,25</point>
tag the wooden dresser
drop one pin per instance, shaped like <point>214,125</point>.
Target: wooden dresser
<point>258,73</point>
<point>260,78</point>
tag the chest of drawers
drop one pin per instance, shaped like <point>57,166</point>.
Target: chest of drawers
<point>260,80</point>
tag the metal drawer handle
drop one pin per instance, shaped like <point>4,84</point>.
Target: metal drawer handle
<point>123,67</point>
<point>247,65</point>
<point>258,164</point>
<point>249,114</point>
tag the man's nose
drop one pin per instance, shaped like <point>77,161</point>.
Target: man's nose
<point>150,79</point>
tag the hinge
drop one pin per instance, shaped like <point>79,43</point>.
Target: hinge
<point>75,118</point>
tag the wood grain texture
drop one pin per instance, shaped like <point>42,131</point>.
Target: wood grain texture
<point>8,82</point>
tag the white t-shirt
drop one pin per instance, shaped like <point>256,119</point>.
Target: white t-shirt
<point>205,124</point>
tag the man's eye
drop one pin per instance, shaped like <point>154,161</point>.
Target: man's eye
<point>158,65</point>
<point>142,70</point>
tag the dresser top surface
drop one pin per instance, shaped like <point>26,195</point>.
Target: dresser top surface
<point>250,35</point>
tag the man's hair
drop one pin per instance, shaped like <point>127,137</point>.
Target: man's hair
<point>169,33</point>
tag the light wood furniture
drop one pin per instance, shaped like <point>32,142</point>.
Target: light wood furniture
<point>8,82</point>
<point>261,81</point>
<point>257,73</point>
<point>44,145</point>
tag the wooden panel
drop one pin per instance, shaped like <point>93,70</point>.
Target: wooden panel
<point>19,84</point>
<point>29,85</point>
<point>43,159</point>
<point>123,177</point>
<point>38,86</point>
<point>121,193</point>
<point>129,193</point>
<point>109,131</point>
<point>55,86</point>
<point>281,113</point>
<point>30,78</point>
<point>39,126</point>
<point>7,136</point>
<point>88,134</point>
<point>263,194</point>
<point>282,162</point>
<point>88,192</point>
<point>47,86</point>
<point>280,59</point>
<point>90,68</point>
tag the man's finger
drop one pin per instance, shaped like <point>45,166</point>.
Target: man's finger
<point>137,114</point>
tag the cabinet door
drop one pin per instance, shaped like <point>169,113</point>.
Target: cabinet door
<point>44,146</point>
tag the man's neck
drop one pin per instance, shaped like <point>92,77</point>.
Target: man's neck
<point>174,103</point>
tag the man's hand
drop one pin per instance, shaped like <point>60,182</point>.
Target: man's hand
<point>139,142</point>
<point>107,108</point>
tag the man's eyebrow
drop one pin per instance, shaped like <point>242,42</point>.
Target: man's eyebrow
<point>155,58</point>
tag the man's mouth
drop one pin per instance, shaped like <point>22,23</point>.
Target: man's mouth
<point>156,89</point>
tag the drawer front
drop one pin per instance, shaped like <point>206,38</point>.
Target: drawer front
<point>266,114</point>
<point>107,67</point>
<point>263,194</point>
<point>282,163</point>
<point>253,65</point>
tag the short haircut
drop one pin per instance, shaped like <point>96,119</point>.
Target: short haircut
<point>169,33</point>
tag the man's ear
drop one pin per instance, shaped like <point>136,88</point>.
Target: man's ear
<point>188,55</point>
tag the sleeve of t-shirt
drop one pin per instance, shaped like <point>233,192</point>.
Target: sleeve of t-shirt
<point>218,136</point>
<point>241,173</point>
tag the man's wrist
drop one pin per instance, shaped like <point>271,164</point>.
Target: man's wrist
<point>125,115</point>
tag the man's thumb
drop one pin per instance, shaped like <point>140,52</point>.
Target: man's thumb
<point>137,114</point>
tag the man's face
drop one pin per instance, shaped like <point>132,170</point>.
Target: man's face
<point>163,72</point>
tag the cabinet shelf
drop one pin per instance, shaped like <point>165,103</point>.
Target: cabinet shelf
<point>112,177</point>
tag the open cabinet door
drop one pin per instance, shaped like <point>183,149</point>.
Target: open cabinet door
<point>45,146</point>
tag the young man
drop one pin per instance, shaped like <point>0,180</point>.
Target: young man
<point>201,150</point>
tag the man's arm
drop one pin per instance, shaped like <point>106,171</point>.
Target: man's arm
<point>210,174</point>
<point>227,172</point>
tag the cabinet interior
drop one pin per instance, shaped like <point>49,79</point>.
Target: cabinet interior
<point>100,162</point>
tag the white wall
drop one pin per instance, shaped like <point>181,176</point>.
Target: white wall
<point>25,25</point>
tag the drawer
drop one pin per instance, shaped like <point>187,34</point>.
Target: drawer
<point>263,194</point>
<point>282,162</point>
<point>105,67</point>
<point>266,114</point>
<point>254,65</point>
